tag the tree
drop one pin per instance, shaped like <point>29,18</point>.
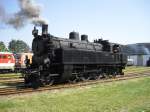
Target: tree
<point>18,46</point>
<point>2,47</point>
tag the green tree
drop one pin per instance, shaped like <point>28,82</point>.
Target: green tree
<point>2,47</point>
<point>18,46</point>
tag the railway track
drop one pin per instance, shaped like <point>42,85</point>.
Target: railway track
<point>6,78</point>
<point>16,79</point>
<point>21,89</point>
<point>11,80</point>
<point>20,79</point>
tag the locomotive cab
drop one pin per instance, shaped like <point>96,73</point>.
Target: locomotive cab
<point>116,48</point>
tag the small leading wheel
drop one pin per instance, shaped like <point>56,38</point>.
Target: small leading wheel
<point>114,75</point>
<point>72,81</point>
<point>84,78</point>
<point>50,80</point>
<point>98,77</point>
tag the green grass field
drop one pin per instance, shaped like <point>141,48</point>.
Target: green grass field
<point>10,75</point>
<point>137,69</point>
<point>123,96</point>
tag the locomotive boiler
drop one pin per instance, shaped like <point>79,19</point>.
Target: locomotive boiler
<point>59,60</point>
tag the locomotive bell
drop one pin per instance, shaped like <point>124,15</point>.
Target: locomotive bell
<point>44,29</point>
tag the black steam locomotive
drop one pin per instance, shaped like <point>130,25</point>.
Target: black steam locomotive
<point>60,60</point>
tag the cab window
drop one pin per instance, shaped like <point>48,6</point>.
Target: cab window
<point>9,56</point>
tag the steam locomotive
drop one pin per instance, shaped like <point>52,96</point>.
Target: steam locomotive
<point>58,60</point>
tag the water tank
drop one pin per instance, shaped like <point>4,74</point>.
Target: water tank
<point>84,38</point>
<point>74,35</point>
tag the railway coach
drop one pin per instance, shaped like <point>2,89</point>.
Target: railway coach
<point>7,62</point>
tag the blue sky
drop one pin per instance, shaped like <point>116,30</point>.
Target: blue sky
<point>120,21</point>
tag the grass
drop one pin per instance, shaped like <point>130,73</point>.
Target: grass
<point>10,75</point>
<point>133,68</point>
<point>124,96</point>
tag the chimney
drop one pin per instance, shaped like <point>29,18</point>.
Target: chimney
<point>44,29</point>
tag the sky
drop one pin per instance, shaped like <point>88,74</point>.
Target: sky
<point>119,21</point>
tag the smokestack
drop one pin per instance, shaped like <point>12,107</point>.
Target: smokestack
<point>44,29</point>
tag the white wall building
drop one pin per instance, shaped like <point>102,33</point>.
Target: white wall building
<point>139,53</point>
<point>139,60</point>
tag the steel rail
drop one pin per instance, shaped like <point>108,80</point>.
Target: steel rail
<point>21,90</point>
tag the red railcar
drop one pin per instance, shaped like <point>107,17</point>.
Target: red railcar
<point>7,61</point>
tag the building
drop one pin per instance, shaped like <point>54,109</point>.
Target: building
<point>139,60</point>
<point>139,53</point>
